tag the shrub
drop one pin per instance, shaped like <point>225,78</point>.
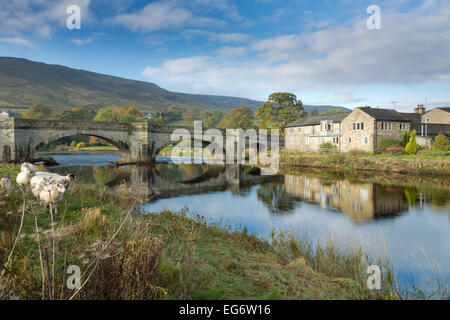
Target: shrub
<point>441,143</point>
<point>405,139</point>
<point>81,145</point>
<point>327,145</point>
<point>412,147</point>
<point>388,143</point>
<point>395,150</point>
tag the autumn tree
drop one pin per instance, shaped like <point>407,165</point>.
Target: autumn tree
<point>238,118</point>
<point>38,111</point>
<point>191,114</point>
<point>281,109</point>
<point>77,113</point>
<point>119,114</point>
<point>211,118</point>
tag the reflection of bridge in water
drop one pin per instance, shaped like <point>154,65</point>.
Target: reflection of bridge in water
<point>150,179</point>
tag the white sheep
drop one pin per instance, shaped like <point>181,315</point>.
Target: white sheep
<point>5,185</point>
<point>38,186</point>
<point>28,166</point>
<point>51,194</point>
<point>53,177</point>
<point>24,177</point>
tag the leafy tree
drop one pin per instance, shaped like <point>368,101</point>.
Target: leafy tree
<point>211,118</point>
<point>38,111</point>
<point>331,111</point>
<point>119,114</point>
<point>77,113</point>
<point>172,113</point>
<point>191,114</point>
<point>441,143</point>
<point>238,118</point>
<point>412,147</point>
<point>313,112</point>
<point>281,109</point>
<point>105,114</point>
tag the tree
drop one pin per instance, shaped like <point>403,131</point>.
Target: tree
<point>191,114</point>
<point>280,109</point>
<point>405,139</point>
<point>441,143</point>
<point>37,111</point>
<point>331,111</point>
<point>313,112</point>
<point>77,113</point>
<point>238,118</point>
<point>211,118</point>
<point>105,114</point>
<point>172,113</point>
<point>412,147</point>
<point>119,114</point>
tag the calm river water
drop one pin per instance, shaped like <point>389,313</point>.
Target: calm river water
<point>408,224</point>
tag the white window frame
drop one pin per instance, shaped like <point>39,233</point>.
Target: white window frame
<point>364,141</point>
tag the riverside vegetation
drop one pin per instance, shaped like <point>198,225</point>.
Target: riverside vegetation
<point>125,254</point>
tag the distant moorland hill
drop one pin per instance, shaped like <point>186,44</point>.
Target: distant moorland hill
<point>24,83</point>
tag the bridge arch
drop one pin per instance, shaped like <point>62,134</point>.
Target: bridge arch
<point>122,146</point>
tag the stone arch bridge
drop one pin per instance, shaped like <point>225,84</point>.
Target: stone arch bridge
<point>139,142</point>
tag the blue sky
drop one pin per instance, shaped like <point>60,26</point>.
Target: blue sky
<point>320,50</point>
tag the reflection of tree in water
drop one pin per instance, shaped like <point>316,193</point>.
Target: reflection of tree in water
<point>275,198</point>
<point>181,172</point>
<point>439,197</point>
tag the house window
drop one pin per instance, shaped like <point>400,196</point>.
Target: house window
<point>329,127</point>
<point>307,140</point>
<point>428,119</point>
<point>358,126</point>
<point>386,126</point>
<point>336,140</point>
<point>402,126</point>
<point>365,140</point>
<point>350,140</point>
<point>299,130</point>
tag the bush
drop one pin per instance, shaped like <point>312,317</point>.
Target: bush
<point>388,143</point>
<point>327,145</point>
<point>412,147</point>
<point>395,150</point>
<point>441,143</point>
<point>81,145</point>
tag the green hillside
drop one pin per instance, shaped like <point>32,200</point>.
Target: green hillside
<point>24,83</point>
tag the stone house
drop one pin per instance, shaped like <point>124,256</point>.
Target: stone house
<point>362,129</point>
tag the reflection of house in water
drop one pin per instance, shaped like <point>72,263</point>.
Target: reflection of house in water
<point>361,202</point>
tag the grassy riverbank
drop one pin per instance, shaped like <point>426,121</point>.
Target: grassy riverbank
<point>428,165</point>
<point>126,255</point>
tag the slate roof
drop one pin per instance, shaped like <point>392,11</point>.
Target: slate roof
<point>315,120</point>
<point>385,114</point>
<point>413,117</point>
<point>443,109</point>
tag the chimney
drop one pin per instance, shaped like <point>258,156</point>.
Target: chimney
<point>420,109</point>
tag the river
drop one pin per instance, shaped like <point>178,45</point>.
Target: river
<point>407,223</point>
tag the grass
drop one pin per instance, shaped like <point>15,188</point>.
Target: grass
<point>124,254</point>
<point>420,164</point>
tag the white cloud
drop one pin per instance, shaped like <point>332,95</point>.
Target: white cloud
<point>218,36</point>
<point>17,41</point>
<point>231,51</point>
<point>37,17</point>
<point>160,15</point>
<point>411,48</point>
